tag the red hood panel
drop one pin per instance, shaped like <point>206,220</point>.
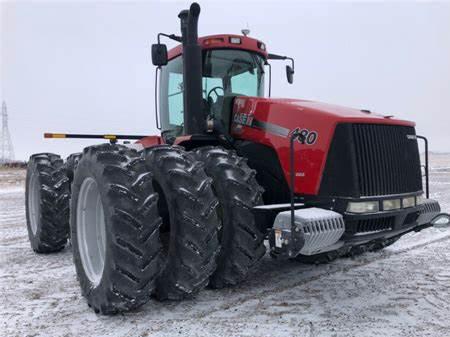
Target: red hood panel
<point>329,111</point>
<point>270,121</point>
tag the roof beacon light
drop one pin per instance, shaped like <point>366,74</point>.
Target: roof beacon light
<point>213,40</point>
<point>235,40</point>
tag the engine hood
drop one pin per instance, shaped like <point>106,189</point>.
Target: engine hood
<point>337,111</point>
<point>295,108</point>
<point>270,121</point>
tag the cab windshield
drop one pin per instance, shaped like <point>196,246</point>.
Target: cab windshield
<point>226,73</point>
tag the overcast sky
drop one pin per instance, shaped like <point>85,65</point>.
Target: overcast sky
<point>86,67</point>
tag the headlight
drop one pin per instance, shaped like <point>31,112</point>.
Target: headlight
<point>409,202</point>
<point>420,199</point>
<point>391,204</point>
<point>363,207</point>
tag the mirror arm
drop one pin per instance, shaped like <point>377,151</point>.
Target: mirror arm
<point>170,36</point>
<point>292,62</point>
<point>280,57</point>
<point>276,57</point>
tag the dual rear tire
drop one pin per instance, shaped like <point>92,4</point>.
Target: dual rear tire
<point>47,197</point>
<point>141,225</point>
<point>238,192</point>
<point>114,229</point>
<point>190,221</point>
<point>151,223</point>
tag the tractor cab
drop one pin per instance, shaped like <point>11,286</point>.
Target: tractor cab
<point>226,73</point>
<point>231,66</point>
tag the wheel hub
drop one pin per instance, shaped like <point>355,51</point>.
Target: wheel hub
<point>91,232</point>
<point>33,202</point>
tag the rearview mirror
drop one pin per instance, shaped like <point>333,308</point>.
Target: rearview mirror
<point>159,54</point>
<point>290,74</point>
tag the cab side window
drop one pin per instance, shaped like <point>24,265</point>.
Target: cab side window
<point>171,101</point>
<point>175,98</point>
<point>244,83</point>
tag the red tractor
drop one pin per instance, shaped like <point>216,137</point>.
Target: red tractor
<point>173,213</point>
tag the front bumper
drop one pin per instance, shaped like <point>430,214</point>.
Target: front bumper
<point>314,235</point>
<point>390,223</point>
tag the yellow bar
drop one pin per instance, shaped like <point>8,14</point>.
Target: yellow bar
<point>109,136</point>
<point>54,135</point>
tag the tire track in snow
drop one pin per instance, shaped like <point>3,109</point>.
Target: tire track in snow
<point>363,261</point>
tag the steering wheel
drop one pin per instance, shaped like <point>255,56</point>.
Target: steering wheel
<point>213,90</point>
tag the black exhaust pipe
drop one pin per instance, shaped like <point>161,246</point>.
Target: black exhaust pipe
<point>194,119</point>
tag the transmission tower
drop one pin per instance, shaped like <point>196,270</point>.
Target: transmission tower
<point>7,151</point>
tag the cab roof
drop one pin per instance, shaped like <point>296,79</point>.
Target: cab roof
<point>225,41</point>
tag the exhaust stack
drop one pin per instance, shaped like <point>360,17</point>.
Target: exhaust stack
<point>194,119</point>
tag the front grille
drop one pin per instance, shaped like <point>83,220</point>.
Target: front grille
<point>375,225</point>
<point>368,226</point>
<point>372,160</point>
<point>387,159</point>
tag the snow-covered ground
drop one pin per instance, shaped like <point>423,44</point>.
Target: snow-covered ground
<point>401,291</point>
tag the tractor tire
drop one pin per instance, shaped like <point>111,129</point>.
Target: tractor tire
<point>238,192</point>
<point>189,233</point>
<point>114,229</point>
<point>47,203</point>
<point>71,165</point>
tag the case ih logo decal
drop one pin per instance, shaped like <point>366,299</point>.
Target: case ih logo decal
<point>309,136</point>
<point>243,119</point>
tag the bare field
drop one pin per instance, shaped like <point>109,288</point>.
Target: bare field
<point>12,177</point>
<point>401,291</point>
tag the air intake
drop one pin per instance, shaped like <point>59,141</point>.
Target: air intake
<point>372,160</point>
<point>387,159</point>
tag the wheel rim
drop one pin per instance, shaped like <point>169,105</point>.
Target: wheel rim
<point>91,233</point>
<point>34,199</point>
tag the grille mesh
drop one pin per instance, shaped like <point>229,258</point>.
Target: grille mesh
<point>387,159</point>
<point>375,225</point>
